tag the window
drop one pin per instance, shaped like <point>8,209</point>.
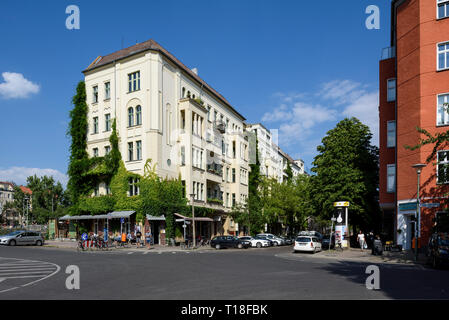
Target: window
<point>442,109</point>
<point>443,56</point>
<point>391,90</point>
<point>108,189</point>
<point>107,90</point>
<point>130,117</point>
<point>133,187</point>
<point>107,120</point>
<point>391,177</point>
<point>95,124</point>
<point>95,94</point>
<point>130,151</point>
<point>208,112</point>
<point>443,8</point>
<point>95,152</point>
<point>233,175</point>
<point>134,81</point>
<point>442,166</point>
<point>107,149</point>
<point>183,156</point>
<point>233,199</point>
<point>138,115</point>
<point>139,150</point>
<point>97,190</point>
<point>391,134</point>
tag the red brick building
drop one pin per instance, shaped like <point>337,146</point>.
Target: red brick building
<point>414,84</point>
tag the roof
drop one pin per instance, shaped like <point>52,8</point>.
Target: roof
<point>111,215</point>
<point>153,45</point>
<point>26,190</point>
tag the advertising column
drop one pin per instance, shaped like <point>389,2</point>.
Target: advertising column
<point>341,229</point>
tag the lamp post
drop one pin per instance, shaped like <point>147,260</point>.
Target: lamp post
<point>193,219</point>
<point>332,226</point>
<point>418,167</point>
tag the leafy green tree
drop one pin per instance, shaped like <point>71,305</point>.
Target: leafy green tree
<point>347,169</point>
<point>162,197</point>
<point>79,159</point>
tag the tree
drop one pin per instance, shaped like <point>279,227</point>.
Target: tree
<point>347,170</point>
<point>79,159</point>
<point>162,197</point>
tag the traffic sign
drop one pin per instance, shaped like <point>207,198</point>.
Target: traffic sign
<point>341,204</point>
<point>122,220</point>
<point>430,205</point>
<point>84,236</point>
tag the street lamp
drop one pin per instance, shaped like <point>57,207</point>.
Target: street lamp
<point>193,219</point>
<point>418,168</point>
<point>333,219</point>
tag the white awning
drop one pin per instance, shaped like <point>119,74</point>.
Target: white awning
<point>111,215</point>
<point>190,219</point>
<point>154,218</point>
<point>120,214</point>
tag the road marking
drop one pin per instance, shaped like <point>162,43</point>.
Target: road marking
<point>131,252</point>
<point>11,268</point>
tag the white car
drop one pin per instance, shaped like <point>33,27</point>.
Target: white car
<point>258,243</point>
<point>276,240</point>
<point>308,244</point>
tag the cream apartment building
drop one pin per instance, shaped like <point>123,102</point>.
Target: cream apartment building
<point>165,112</point>
<point>273,161</point>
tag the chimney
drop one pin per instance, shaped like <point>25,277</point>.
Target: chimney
<point>195,70</point>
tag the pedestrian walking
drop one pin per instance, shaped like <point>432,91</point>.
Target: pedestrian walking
<point>361,239</point>
<point>138,237</point>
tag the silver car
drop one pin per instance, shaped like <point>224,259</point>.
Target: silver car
<point>21,238</point>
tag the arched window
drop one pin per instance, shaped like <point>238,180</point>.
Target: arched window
<point>183,92</point>
<point>130,117</point>
<point>138,115</point>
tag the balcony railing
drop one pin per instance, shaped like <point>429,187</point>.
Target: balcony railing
<point>215,168</point>
<point>388,53</point>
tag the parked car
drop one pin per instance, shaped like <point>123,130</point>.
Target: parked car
<point>22,237</point>
<point>270,242</point>
<point>307,243</point>
<point>288,240</point>
<point>328,241</point>
<point>311,234</point>
<point>229,242</point>
<point>276,240</point>
<point>438,249</point>
<point>255,242</point>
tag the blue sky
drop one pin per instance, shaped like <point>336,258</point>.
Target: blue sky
<point>296,66</point>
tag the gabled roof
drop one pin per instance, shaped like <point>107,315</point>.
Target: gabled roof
<point>153,45</point>
<point>26,190</point>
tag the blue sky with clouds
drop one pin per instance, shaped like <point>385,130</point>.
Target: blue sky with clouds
<point>296,66</point>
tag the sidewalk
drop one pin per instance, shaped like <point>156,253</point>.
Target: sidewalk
<point>69,244</point>
<point>356,254</point>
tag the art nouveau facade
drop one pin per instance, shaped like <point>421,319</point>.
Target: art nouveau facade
<point>165,112</point>
<point>273,161</point>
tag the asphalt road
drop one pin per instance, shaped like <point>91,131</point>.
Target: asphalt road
<point>254,274</point>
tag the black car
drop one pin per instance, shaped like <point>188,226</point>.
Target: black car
<point>328,240</point>
<point>271,243</point>
<point>438,249</point>
<point>229,242</point>
<point>288,240</point>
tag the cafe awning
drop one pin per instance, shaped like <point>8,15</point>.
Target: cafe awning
<point>111,215</point>
<point>154,218</point>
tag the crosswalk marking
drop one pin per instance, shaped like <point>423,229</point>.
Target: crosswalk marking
<point>11,268</point>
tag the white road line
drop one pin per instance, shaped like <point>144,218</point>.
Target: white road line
<point>48,270</point>
<point>131,252</point>
<point>20,277</point>
<point>25,267</point>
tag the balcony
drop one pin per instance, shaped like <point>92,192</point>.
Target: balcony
<point>220,126</point>
<point>215,168</point>
<point>388,53</point>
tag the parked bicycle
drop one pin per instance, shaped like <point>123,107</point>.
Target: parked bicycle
<point>80,246</point>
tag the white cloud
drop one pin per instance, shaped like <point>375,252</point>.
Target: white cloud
<point>365,108</point>
<point>303,118</point>
<point>20,174</point>
<point>16,86</point>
